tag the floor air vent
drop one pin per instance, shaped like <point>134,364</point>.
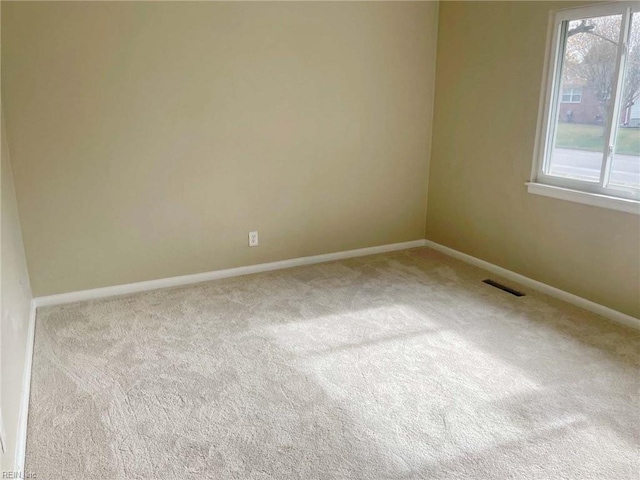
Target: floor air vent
<point>504,288</point>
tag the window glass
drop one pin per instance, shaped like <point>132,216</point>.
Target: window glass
<point>576,95</point>
<point>625,165</point>
<point>578,129</point>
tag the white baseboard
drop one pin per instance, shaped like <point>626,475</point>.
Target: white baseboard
<point>217,274</point>
<point>95,293</point>
<point>541,287</point>
<point>21,440</point>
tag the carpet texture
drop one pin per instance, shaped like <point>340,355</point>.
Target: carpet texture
<point>394,366</point>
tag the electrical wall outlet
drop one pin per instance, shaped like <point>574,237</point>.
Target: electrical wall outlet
<point>253,239</point>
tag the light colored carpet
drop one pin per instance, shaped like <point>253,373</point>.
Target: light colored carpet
<point>395,366</point>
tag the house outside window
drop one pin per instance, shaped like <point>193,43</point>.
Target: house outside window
<point>588,141</point>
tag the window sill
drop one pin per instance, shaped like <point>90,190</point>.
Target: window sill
<point>594,199</point>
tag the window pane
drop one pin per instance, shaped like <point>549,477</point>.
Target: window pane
<point>625,167</point>
<point>588,67</point>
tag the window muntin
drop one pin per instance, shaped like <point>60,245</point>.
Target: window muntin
<point>588,141</point>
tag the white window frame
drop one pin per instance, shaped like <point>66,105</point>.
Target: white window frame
<point>573,92</point>
<point>591,193</point>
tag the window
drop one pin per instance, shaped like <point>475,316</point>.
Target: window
<point>588,147</point>
<point>572,95</point>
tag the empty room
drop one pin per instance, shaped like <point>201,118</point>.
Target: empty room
<point>320,240</point>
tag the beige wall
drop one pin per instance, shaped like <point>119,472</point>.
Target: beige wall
<point>149,138</point>
<point>15,299</point>
<point>489,73</point>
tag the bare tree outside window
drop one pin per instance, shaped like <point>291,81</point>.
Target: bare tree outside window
<point>591,56</point>
<point>589,62</point>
